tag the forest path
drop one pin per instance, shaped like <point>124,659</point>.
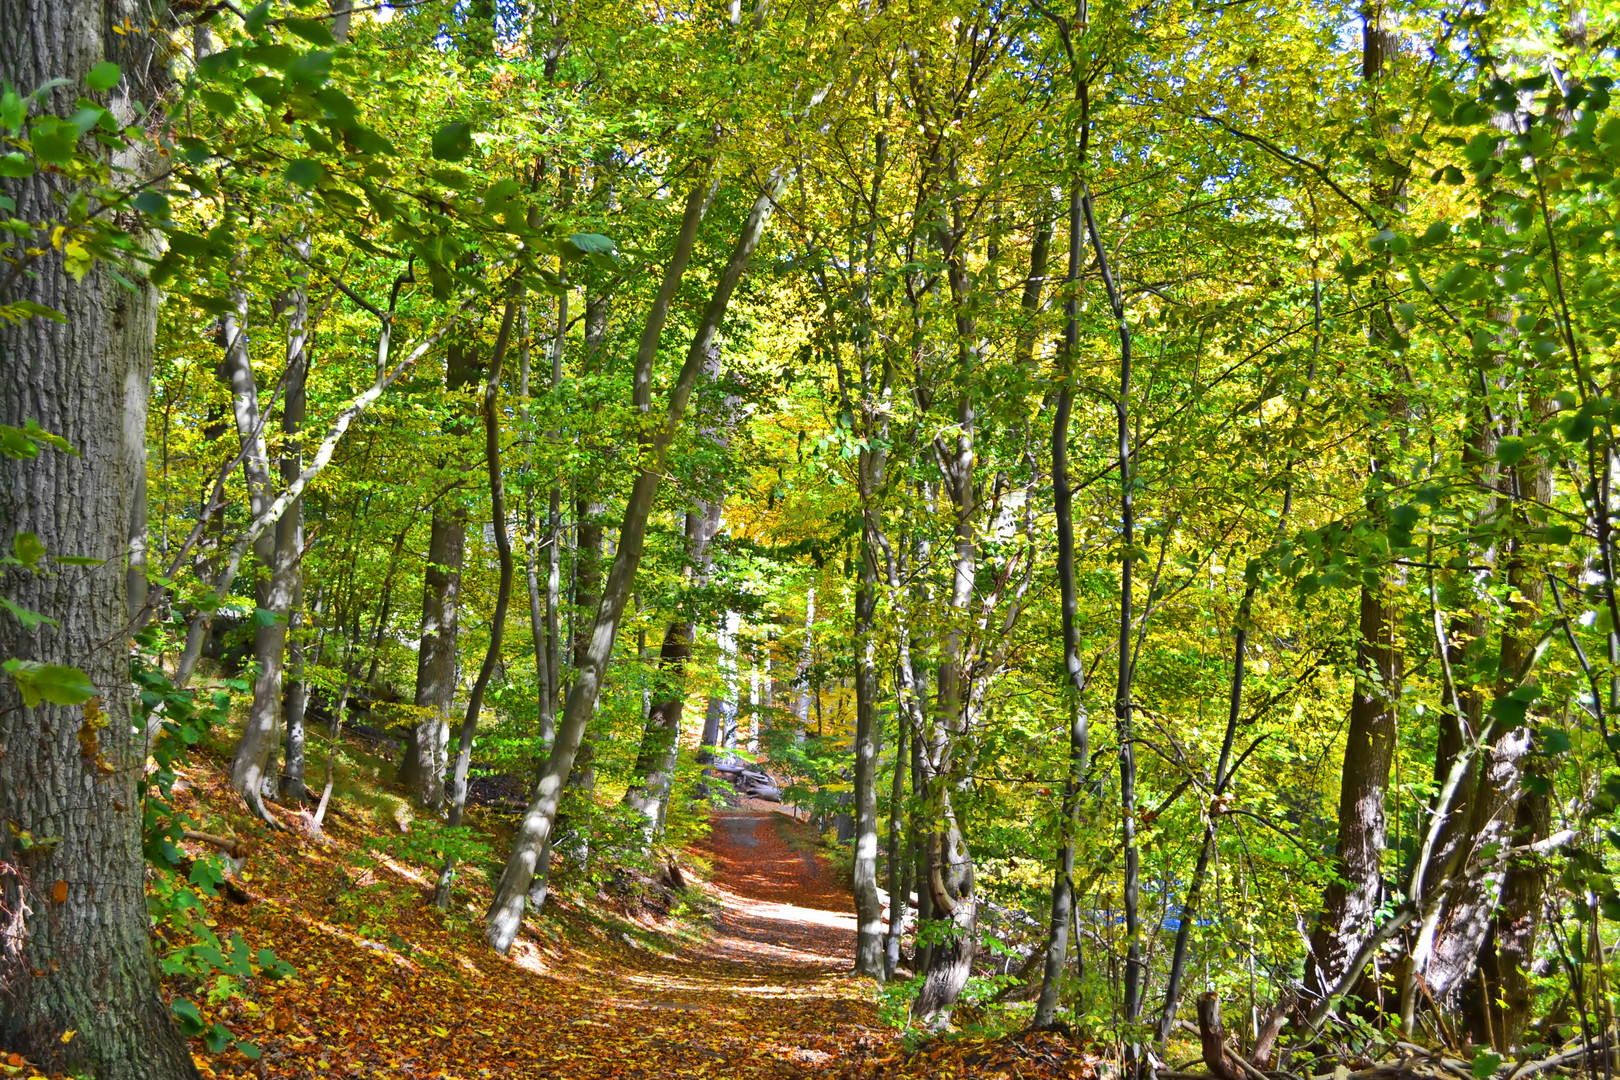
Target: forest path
<point>768,994</point>
<point>388,987</point>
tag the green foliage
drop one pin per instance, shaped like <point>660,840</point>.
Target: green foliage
<point>176,893</point>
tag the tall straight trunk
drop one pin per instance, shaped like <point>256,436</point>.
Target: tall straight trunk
<point>278,549</point>
<point>899,856</point>
<point>503,595</point>
<point>660,737</point>
<point>950,864</point>
<point>84,961</point>
<point>868,904</point>
<point>1062,914</point>
<point>295,406</point>
<point>533,545</point>
<point>1134,974</point>
<point>427,749</point>
<point>871,464</point>
<point>803,675</point>
<point>505,914</point>
<point>588,514</point>
<point>1350,903</point>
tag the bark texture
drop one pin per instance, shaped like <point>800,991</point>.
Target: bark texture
<point>83,963</point>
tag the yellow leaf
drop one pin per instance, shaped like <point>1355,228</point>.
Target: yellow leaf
<point>67,1036</point>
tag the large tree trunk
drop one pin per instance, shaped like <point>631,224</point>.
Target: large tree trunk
<point>505,914</point>
<point>84,962</point>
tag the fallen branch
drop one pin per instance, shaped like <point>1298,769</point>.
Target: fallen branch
<point>235,848</point>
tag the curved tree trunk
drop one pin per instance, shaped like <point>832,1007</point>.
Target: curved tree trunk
<point>85,961</point>
<point>503,596</point>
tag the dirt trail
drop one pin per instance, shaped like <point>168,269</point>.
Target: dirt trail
<point>407,993</point>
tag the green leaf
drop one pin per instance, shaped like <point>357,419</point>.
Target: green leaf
<point>53,139</point>
<point>153,204</point>
<point>186,1010</point>
<point>12,110</point>
<point>588,244</point>
<point>1511,450</point>
<point>304,172</point>
<point>1554,740</point>
<point>311,69</point>
<point>14,165</point>
<point>313,31</point>
<point>104,76</point>
<point>218,63</point>
<point>27,548</point>
<point>257,17</point>
<point>247,1050</point>
<point>453,141</point>
<point>55,683</point>
<point>31,620</point>
<point>1485,1064</point>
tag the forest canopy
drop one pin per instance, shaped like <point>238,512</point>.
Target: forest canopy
<point>1139,477</point>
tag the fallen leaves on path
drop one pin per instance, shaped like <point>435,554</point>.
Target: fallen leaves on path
<point>403,990</point>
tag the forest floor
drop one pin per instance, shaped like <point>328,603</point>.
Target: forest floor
<point>746,977</point>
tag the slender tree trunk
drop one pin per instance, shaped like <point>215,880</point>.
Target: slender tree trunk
<point>295,406</point>
<point>503,595</point>
<point>899,856</point>
<point>506,911</point>
<point>1350,904</point>
<point>950,865</point>
<point>539,620</point>
<point>279,549</point>
<point>84,962</point>
<point>1062,915</point>
<point>1122,694</point>
<point>868,904</point>
<point>422,768</point>
<point>660,739</point>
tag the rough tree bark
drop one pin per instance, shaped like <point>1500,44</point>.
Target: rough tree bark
<point>84,963</point>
